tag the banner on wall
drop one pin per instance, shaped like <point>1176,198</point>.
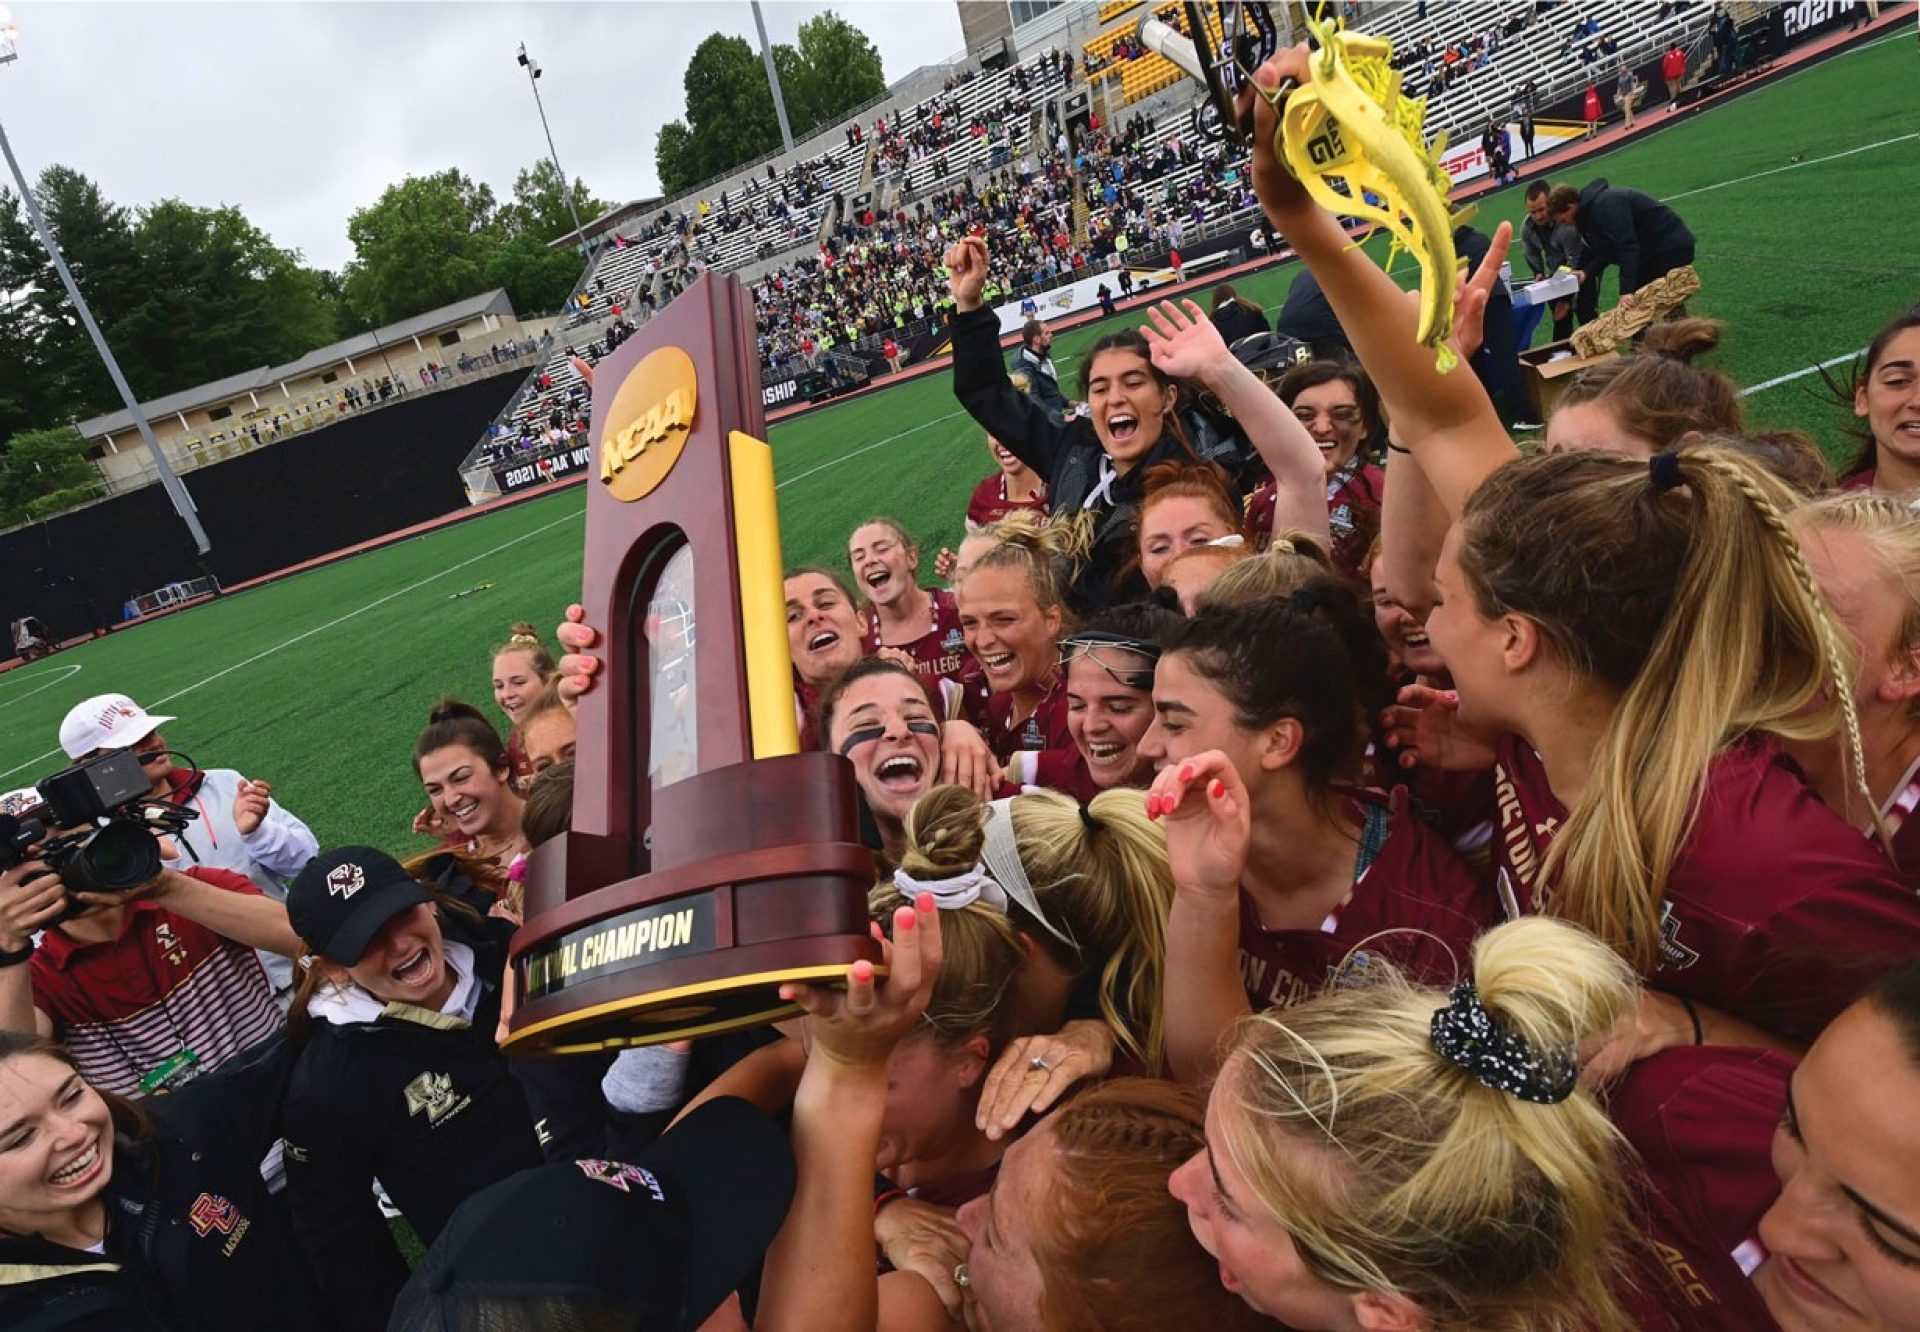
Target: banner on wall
<point>1467,162</point>
<point>510,476</point>
<point>1196,260</point>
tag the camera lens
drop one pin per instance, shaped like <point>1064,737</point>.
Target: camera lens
<point>117,859</point>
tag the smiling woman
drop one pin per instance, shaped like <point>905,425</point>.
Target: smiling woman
<point>76,1165</point>
<point>397,1075</point>
<point>467,776</point>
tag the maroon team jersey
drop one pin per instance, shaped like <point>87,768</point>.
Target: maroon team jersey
<point>1353,513</point>
<point>1044,728</point>
<point>1415,884</point>
<point>1777,911</point>
<point>1065,771</point>
<point>1702,1119</point>
<point>940,652</point>
<point>990,503</point>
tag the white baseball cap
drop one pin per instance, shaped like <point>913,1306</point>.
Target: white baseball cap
<point>106,721</point>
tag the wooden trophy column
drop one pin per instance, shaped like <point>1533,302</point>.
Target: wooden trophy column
<point>709,861</point>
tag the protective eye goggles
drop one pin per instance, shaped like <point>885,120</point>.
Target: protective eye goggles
<point>1116,654</point>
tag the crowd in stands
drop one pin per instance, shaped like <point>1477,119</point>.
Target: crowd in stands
<point>1335,868</point>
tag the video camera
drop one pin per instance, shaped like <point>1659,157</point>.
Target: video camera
<point>108,827</point>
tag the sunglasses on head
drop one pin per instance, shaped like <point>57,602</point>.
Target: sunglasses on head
<point>1111,653</point>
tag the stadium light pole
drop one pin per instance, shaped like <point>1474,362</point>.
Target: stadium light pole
<point>176,488</point>
<point>773,78</point>
<point>532,67</point>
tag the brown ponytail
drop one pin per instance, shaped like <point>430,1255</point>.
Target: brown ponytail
<point>1658,393</point>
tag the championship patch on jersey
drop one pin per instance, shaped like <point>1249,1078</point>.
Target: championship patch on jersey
<point>1674,955</point>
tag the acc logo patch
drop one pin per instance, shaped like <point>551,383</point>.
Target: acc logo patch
<point>345,880</point>
<point>648,423</point>
<point>622,1177</point>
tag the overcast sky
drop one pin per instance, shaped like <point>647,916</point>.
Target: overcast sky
<point>302,113</point>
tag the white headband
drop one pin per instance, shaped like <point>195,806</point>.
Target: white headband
<point>998,878</point>
<point>962,890</point>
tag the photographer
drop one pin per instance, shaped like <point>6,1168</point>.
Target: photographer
<point>240,827</point>
<point>147,989</point>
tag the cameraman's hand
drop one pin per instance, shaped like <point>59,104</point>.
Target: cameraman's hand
<point>250,806</point>
<point>26,907</point>
<point>154,889</point>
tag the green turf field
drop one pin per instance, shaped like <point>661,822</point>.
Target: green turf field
<point>320,683</point>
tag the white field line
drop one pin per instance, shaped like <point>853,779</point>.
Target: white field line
<point>1792,166</point>
<point>322,628</point>
<point>868,448</point>
<point>51,680</point>
<point>1778,380</point>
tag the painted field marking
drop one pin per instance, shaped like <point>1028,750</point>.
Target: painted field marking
<point>71,669</point>
<point>1778,380</point>
<point>869,448</point>
<point>321,629</point>
<point>1792,166</point>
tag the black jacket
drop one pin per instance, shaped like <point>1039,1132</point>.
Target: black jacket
<point>1308,316</point>
<point>1634,230</point>
<point>1237,320</point>
<point>419,1100</point>
<point>1041,383</point>
<point>1069,455</point>
<point>195,1242</point>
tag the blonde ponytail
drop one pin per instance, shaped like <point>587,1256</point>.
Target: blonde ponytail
<point>1102,877</point>
<point>1687,592</point>
<point>1488,1211</point>
<point>945,831</point>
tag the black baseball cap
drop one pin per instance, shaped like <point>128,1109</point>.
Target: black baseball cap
<point>585,1246</point>
<point>343,898</point>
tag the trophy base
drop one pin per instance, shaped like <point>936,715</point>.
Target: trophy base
<point>702,1008</point>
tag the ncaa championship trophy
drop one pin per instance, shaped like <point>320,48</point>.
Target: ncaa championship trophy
<point>709,861</point>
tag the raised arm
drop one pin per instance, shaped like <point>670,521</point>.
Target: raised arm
<point>1208,831</point>
<point>980,380</point>
<point>1413,524</point>
<point>1445,418</point>
<point>1185,344</point>
<point>232,908</point>
<point>820,1268</point>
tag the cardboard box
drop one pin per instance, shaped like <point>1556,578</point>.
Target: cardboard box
<point>1548,370</point>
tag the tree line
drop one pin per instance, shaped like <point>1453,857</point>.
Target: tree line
<point>729,117</point>
<point>187,295</point>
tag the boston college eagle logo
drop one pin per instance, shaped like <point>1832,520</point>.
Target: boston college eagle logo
<point>433,1095</point>
<point>622,1176</point>
<point>345,880</point>
<point>211,1212</point>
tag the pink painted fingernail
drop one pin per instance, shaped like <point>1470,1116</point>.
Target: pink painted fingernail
<point>1186,772</point>
<point>1216,788</point>
<point>863,971</point>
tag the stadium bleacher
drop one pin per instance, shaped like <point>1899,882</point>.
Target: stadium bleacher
<point>763,217</point>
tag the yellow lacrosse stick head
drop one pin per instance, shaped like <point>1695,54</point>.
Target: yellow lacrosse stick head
<point>1359,148</point>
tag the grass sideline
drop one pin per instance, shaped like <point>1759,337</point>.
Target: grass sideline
<point>319,683</point>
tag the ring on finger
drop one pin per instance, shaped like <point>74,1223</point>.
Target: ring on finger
<point>1037,1064</point>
